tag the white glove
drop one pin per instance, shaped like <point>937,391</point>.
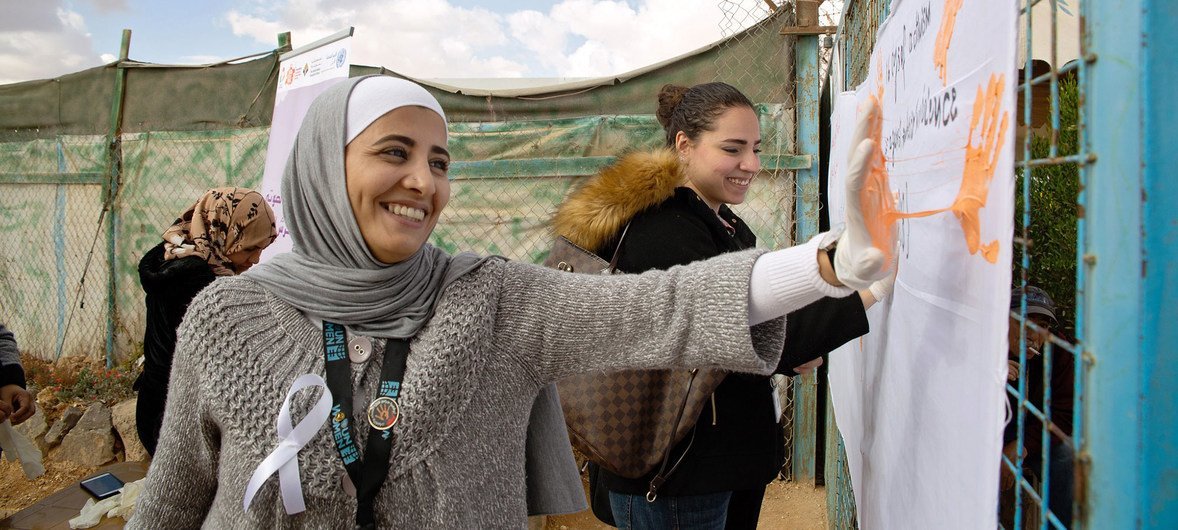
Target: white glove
<point>857,263</point>
<point>182,249</point>
<point>19,446</point>
<point>883,288</point>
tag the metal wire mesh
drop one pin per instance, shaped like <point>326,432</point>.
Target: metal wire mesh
<point>52,274</point>
<point>859,25</point>
<point>841,513</point>
<point>163,174</point>
<point>1047,392</point>
<point>75,291</point>
<point>69,278</point>
<point>770,209</point>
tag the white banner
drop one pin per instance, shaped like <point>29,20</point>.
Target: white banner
<point>919,401</point>
<point>302,75</point>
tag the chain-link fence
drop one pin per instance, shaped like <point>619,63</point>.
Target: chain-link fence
<point>79,210</point>
<point>53,267</point>
<point>777,191</point>
<point>69,274</point>
<point>93,167</point>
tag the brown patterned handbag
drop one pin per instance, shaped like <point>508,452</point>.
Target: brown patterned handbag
<point>628,421</point>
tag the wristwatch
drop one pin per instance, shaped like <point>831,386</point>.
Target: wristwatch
<point>829,243</point>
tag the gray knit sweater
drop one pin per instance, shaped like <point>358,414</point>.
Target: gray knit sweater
<point>497,336</point>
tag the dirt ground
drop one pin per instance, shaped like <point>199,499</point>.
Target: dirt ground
<point>787,505</point>
<point>18,492</point>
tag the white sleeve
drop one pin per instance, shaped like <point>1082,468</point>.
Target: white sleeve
<point>788,278</point>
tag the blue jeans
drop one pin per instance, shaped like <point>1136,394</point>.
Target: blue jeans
<point>694,512</point>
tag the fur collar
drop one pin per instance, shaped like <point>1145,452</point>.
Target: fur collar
<point>596,212</point>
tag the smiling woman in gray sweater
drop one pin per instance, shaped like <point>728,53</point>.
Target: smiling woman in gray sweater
<point>362,191</point>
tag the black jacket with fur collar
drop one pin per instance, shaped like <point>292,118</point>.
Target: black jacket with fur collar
<point>737,442</point>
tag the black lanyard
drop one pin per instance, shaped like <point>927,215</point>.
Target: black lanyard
<point>382,414</point>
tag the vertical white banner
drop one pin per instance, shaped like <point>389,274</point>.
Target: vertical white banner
<point>919,400</point>
<point>303,74</point>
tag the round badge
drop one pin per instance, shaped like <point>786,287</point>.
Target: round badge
<point>383,413</point>
<point>359,348</point>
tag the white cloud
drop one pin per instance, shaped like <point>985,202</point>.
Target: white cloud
<point>244,25</point>
<point>418,38</point>
<point>106,6</point>
<point>435,38</point>
<point>540,36</point>
<point>619,37</point>
<point>44,39</point>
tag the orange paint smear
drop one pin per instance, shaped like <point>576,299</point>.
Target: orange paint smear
<point>875,198</point>
<point>941,48</point>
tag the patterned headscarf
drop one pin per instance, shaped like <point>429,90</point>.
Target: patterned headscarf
<point>223,221</point>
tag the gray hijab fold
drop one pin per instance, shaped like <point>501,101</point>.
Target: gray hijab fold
<point>330,273</point>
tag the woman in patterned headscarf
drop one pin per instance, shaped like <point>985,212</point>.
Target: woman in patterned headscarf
<point>222,234</point>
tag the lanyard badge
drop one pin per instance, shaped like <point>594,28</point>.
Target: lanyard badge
<point>382,414</point>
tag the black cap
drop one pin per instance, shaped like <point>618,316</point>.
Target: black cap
<point>1038,302</point>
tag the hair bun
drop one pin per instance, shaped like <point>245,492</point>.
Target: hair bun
<point>669,98</point>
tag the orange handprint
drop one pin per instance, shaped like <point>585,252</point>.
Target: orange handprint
<point>941,48</point>
<point>383,413</point>
<point>980,162</point>
<point>875,198</point>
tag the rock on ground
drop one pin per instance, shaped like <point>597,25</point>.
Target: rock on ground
<point>90,442</point>
<point>123,418</point>
<point>62,426</point>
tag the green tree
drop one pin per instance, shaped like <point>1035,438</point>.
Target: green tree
<point>1050,237</point>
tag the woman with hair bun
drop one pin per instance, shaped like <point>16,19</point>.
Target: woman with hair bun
<point>675,202</point>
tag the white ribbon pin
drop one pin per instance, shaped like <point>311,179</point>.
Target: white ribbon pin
<point>284,458</point>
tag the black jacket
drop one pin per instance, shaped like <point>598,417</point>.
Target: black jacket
<point>169,287</point>
<point>11,372</point>
<point>670,225</point>
<point>738,443</point>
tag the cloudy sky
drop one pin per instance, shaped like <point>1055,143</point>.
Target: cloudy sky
<point>420,38</point>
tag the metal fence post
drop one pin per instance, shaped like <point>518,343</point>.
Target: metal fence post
<point>807,88</point>
<point>1160,289</point>
<point>1131,280</point>
<point>1121,481</point>
<point>114,177</point>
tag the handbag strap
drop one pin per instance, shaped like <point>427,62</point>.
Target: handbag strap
<point>613,262</point>
<point>663,473</point>
<point>659,478</point>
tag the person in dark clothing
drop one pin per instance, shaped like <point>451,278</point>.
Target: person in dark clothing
<point>222,234</point>
<point>675,202</point>
<point>16,403</point>
<point>1060,455</point>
